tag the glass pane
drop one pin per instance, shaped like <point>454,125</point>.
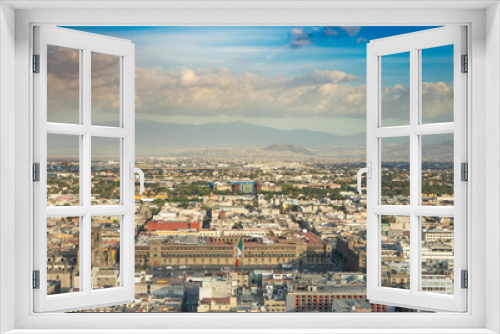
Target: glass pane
<point>437,84</point>
<point>63,85</point>
<point>395,188</point>
<point>63,170</point>
<point>105,252</point>
<point>63,240</point>
<point>105,89</point>
<point>395,251</point>
<point>437,254</point>
<point>395,81</point>
<point>105,171</point>
<point>437,170</point>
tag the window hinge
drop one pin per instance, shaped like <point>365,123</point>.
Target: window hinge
<point>465,64</point>
<point>36,172</point>
<point>36,279</point>
<point>36,63</point>
<point>465,279</point>
<point>464,171</point>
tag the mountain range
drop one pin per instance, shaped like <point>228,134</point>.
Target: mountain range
<point>162,139</point>
<point>154,137</point>
<point>288,148</point>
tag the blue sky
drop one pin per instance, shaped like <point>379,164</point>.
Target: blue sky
<point>284,77</point>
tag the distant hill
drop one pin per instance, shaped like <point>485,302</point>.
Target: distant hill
<point>288,148</point>
<point>153,138</point>
<point>158,139</point>
<point>438,151</point>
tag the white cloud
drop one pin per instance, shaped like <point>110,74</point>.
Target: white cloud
<point>63,84</point>
<point>221,92</point>
<point>300,38</point>
<point>351,30</point>
<point>330,31</point>
<point>309,36</point>
<point>218,91</point>
<point>437,102</point>
<point>361,40</point>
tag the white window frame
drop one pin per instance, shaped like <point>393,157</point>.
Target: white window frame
<point>86,44</point>
<point>483,21</point>
<point>413,43</point>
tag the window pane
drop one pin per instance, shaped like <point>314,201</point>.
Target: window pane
<point>395,188</point>
<point>105,252</point>
<point>63,85</point>
<point>105,171</point>
<point>105,89</point>
<point>395,251</point>
<point>62,255</point>
<point>437,84</point>
<point>437,254</point>
<point>63,170</point>
<point>437,170</point>
<point>395,80</point>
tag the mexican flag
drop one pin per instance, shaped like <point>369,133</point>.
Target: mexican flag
<point>240,250</point>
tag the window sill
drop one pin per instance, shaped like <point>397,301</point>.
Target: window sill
<point>249,331</point>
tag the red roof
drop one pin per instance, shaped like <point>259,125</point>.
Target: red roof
<point>173,225</point>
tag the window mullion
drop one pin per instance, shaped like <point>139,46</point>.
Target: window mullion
<point>108,210</point>
<point>373,155</point>
<point>66,129</point>
<point>86,154</point>
<point>66,211</point>
<point>434,129</point>
<point>85,254</point>
<point>414,169</point>
<point>395,131</point>
<point>109,132</point>
<point>86,174</point>
<point>460,155</point>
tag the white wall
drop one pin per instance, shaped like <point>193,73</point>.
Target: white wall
<point>492,163</point>
<point>7,160</point>
<point>221,17</point>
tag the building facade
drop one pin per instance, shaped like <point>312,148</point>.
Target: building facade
<point>222,252</point>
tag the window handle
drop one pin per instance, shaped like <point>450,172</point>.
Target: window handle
<point>368,171</point>
<point>133,171</point>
